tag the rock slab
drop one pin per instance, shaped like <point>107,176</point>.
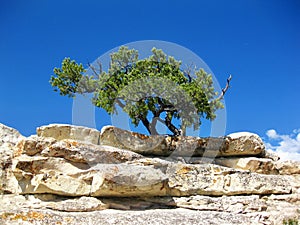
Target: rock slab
<point>75,175</point>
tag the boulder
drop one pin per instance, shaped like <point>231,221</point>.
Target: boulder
<point>66,131</point>
<point>139,143</point>
<point>244,143</point>
<point>253,164</point>
<point>236,144</point>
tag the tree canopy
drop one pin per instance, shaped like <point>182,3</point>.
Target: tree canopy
<point>149,90</point>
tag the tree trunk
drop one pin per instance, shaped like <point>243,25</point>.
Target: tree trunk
<point>171,127</point>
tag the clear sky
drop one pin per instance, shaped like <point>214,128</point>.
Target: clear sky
<point>257,41</point>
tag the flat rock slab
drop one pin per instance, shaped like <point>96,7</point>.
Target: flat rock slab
<point>236,144</point>
<point>139,177</point>
<point>109,217</point>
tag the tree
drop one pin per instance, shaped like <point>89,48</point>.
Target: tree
<point>150,90</point>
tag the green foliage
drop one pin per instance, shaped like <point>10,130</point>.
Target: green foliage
<point>152,87</point>
<point>68,77</point>
<point>290,221</point>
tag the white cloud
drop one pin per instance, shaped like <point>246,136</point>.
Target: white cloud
<point>272,134</point>
<point>286,146</point>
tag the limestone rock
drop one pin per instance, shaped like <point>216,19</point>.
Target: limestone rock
<point>34,144</point>
<point>139,143</point>
<point>231,204</point>
<point>233,145</point>
<point>127,180</point>
<point>6,155</point>
<point>244,143</point>
<point>288,167</point>
<point>82,204</point>
<point>137,217</point>
<point>75,168</point>
<point>65,175</point>
<point>38,175</point>
<point>65,131</point>
<point>78,151</point>
<point>214,180</point>
<point>9,137</point>
<point>253,164</point>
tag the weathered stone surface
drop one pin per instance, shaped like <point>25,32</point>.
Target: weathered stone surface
<point>82,204</point>
<point>141,177</point>
<point>34,144</point>
<point>108,217</point>
<point>66,131</point>
<point>261,165</point>
<point>251,209</point>
<point>288,167</point>
<point>214,180</point>
<point>9,137</point>
<point>38,175</point>
<point>6,155</point>
<point>139,143</point>
<point>232,204</point>
<point>257,165</point>
<point>77,151</point>
<point>236,144</point>
<point>244,143</point>
<point>58,178</point>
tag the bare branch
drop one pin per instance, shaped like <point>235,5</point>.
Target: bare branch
<point>224,90</point>
<point>189,70</point>
<point>93,69</point>
<point>120,103</point>
<point>100,66</point>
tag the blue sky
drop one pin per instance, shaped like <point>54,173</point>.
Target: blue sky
<point>258,42</point>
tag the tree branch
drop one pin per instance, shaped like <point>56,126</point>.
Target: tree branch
<point>224,90</point>
<point>93,69</point>
<point>146,123</point>
<point>171,127</point>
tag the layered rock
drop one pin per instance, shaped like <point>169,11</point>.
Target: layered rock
<point>236,144</point>
<point>74,169</point>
